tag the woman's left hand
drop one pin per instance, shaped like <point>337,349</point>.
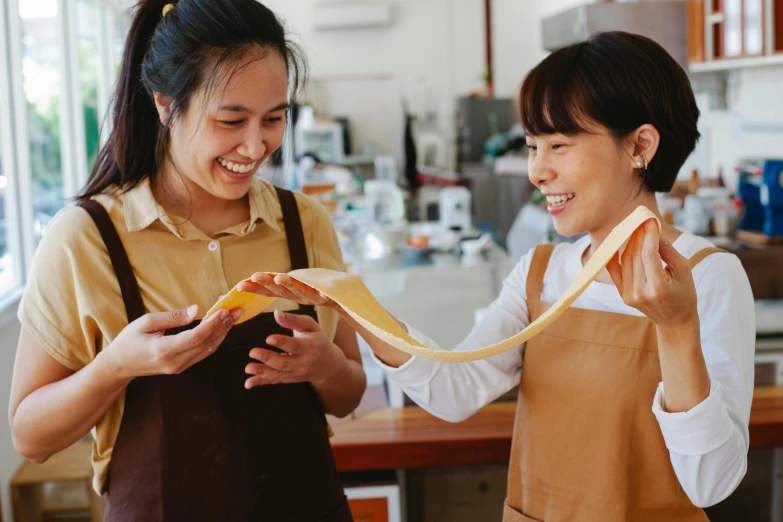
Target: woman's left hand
<point>308,356</point>
<point>667,295</point>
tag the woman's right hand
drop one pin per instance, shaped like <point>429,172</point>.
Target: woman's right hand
<point>142,348</point>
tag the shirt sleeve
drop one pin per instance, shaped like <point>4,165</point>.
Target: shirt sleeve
<point>708,445</point>
<point>454,392</point>
<point>324,251</point>
<point>57,307</point>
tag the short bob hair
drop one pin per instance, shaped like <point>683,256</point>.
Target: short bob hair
<point>620,81</point>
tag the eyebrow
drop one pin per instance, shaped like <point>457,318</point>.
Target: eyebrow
<point>242,108</point>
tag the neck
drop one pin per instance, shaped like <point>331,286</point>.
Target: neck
<point>647,199</point>
<point>179,196</point>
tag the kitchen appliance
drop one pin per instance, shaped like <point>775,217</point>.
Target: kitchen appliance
<point>663,21</point>
<point>384,202</point>
<point>455,209</point>
<point>324,140</point>
<point>387,228</point>
<point>477,120</point>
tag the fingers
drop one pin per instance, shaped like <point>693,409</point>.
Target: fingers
<point>627,267</point>
<point>287,344</point>
<point>255,288</point>
<point>277,361</point>
<point>301,290</point>
<point>206,337</point>
<point>639,274</point>
<point>677,262</point>
<point>296,322</point>
<point>161,321</point>
<point>616,272</point>
<point>267,376</point>
<point>651,260</point>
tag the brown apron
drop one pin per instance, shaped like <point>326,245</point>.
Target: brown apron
<point>587,446</point>
<point>199,446</point>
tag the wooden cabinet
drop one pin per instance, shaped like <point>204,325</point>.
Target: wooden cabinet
<point>724,34</point>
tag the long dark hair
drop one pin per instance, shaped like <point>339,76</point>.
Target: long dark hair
<point>192,46</point>
<point>621,81</point>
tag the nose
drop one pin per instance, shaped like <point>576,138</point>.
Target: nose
<point>253,145</point>
<point>539,170</point>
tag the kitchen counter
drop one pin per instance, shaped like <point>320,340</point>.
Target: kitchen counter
<point>409,437</point>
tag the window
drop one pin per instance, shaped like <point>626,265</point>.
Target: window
<point>58,61</point>
<point>87,21</point>
<point>6,263</point>
<point>41,70</point>
<point>121,25</point>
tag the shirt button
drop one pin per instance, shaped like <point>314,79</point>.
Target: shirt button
<point>213,245</point>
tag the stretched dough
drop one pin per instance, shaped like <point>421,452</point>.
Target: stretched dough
<point>350,292</point>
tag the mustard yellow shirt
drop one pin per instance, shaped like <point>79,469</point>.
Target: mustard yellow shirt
<point>72,303</point>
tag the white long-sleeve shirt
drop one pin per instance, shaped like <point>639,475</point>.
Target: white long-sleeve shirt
<point>707,445</point>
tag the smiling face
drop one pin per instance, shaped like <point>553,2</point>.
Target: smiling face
<point>228,132</point>
<point>588,179</point>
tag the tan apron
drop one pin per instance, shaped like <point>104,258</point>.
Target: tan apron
<point>587,446</point>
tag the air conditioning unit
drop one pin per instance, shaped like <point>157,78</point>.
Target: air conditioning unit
<point>351,15</point>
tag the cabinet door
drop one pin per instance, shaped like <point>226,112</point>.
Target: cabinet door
<point>695,24</point>
<point>732,28</point>
<point>753,27</point>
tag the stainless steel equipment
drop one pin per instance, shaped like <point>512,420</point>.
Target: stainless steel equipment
<point>661,20</point>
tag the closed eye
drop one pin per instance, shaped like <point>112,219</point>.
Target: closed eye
<point>232,123</point>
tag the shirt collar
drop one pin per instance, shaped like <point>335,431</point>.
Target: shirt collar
<point>141,208</point>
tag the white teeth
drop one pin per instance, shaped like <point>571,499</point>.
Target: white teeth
<point>238,167</point>
<point>559,199</point>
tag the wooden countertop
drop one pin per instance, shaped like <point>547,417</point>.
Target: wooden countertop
<point>410,437</point>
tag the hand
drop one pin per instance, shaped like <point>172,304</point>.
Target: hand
<point>667,295</point>
<point>283,286</point>
<point>143,349</point>
<point>308,356</point>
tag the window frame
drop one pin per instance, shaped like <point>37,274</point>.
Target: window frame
<point>14,136</point>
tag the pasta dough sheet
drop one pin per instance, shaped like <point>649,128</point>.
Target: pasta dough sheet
<point>356,299</point>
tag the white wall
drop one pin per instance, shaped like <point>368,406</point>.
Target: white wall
<point>431,54</point>
<point>9,459</point>
<point>752,125</point>
<point>516,42</point>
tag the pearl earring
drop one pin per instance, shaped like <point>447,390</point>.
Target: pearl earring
<point>638,163</point>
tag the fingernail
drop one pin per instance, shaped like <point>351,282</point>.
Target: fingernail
<point>192,309</point>
<point>222,314</point>
<point>237,314</point>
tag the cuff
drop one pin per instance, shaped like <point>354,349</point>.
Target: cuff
<point>699,430</point>
<point>415,370</point>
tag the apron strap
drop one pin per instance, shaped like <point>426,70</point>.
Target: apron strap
<point>297,249</point>
<point>129,287</point>
<point>699,256</point>
<point>535,274</point>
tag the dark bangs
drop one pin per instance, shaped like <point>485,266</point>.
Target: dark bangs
<point>552,99</point>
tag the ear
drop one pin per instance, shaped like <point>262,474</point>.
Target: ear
<point>163,104</point>
<point>645,141</point>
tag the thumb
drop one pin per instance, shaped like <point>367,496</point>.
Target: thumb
<point>670,256</point>
<point>159,321</point>
<point>295,322</point>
